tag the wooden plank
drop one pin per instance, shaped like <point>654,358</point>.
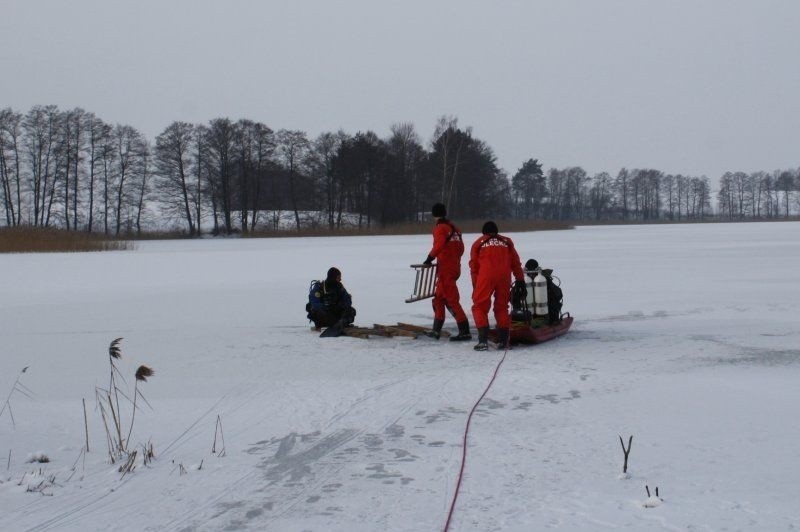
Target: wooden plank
<point>401,329</point>
<point>363,336</point>
<point>419,328</point>
<point>396,331</point>
<point>362,332</point>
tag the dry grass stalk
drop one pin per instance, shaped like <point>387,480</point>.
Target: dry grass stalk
<point>626,452</point>
<point>218,429</point>
<point>85,424</point>
<point>82,454</point>
<point>41,240</point>
<point>41,486</point>
<point>115,353</point>
<point>647,489</point>
<point>130,464</point>
<point>108,401</point>
<point>142,373</point>
<point>19,388</point>
<point>120,443</point>
<point>44,484</point>
<point>109,438</point>
<point>148,454</point>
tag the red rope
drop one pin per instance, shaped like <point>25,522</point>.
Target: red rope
<point>464,445</point>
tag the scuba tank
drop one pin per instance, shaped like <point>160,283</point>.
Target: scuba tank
<point>540,294</point>
<point>529,294</point>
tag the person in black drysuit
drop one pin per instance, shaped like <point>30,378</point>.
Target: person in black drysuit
<point>329,303</point>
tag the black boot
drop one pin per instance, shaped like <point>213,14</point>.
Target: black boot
<point>463,332</point>
<point>483,334</point>
<point>436,330</point>
<point>502,338</point>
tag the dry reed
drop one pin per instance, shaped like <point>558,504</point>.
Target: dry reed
<point>43,240</point>
<point>108,403</point>
<point>18,388</point>
<point>142,373</point>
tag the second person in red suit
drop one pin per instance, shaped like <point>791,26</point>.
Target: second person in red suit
<point>492,261</point>
<point>447,250</point>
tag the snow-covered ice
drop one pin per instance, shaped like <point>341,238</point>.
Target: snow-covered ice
<point>686,337</point>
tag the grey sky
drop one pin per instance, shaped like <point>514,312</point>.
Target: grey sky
<point>685,86</point>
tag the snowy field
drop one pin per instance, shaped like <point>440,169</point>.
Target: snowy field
<point>686,337</point>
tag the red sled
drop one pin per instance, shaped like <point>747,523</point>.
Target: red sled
<point>535,332</point>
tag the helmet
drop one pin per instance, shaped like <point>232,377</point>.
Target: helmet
<point>438,210</point>
<point>333,274</point>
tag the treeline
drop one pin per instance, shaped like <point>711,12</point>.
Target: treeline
<point>759,194</point>
<point>70,169</point>
<point>571,194</point>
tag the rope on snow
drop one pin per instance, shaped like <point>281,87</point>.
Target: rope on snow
<point>464,444</point>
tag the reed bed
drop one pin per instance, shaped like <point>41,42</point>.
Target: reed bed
<point>49,240</point>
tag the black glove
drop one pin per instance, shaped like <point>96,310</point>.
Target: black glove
<point>428,261</point>
<point>520,288</point>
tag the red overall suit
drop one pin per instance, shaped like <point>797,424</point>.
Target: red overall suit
<point>492,260</point>
<point>447,250</point>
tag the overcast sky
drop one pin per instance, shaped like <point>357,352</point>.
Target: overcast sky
<point>686,86</point>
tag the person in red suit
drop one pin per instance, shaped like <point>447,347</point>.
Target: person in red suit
<point>448,247</point>
<point>492,261</point>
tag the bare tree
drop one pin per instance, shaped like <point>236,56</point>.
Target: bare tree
<point>243,154</point>
<point>71,146</point>
<point>130,147</point>
<point>575,192</point>
<point>220,138</point>
<point>142,175</point>
<point>78,117</point>
<point>173,164</point>
<point>292,148</point>
<point>600,195</point>
<point>108,161</point>
<point>622,189</point>
<point>254,144</point>
<point>702,192</point>
<point>10,167</point>
<point>40,128</point>
<point>322,154</point>
<point>202,183</point>
<point>725,196</point>
<point>785,183</point>
<point>406,153</point>
<point>451,141</point>
<point>98,134</point>
<point>263,148</point>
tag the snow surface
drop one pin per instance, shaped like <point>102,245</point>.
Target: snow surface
<point>686,337</point>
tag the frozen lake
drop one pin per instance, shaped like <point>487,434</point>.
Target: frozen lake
<point>686,337</point>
